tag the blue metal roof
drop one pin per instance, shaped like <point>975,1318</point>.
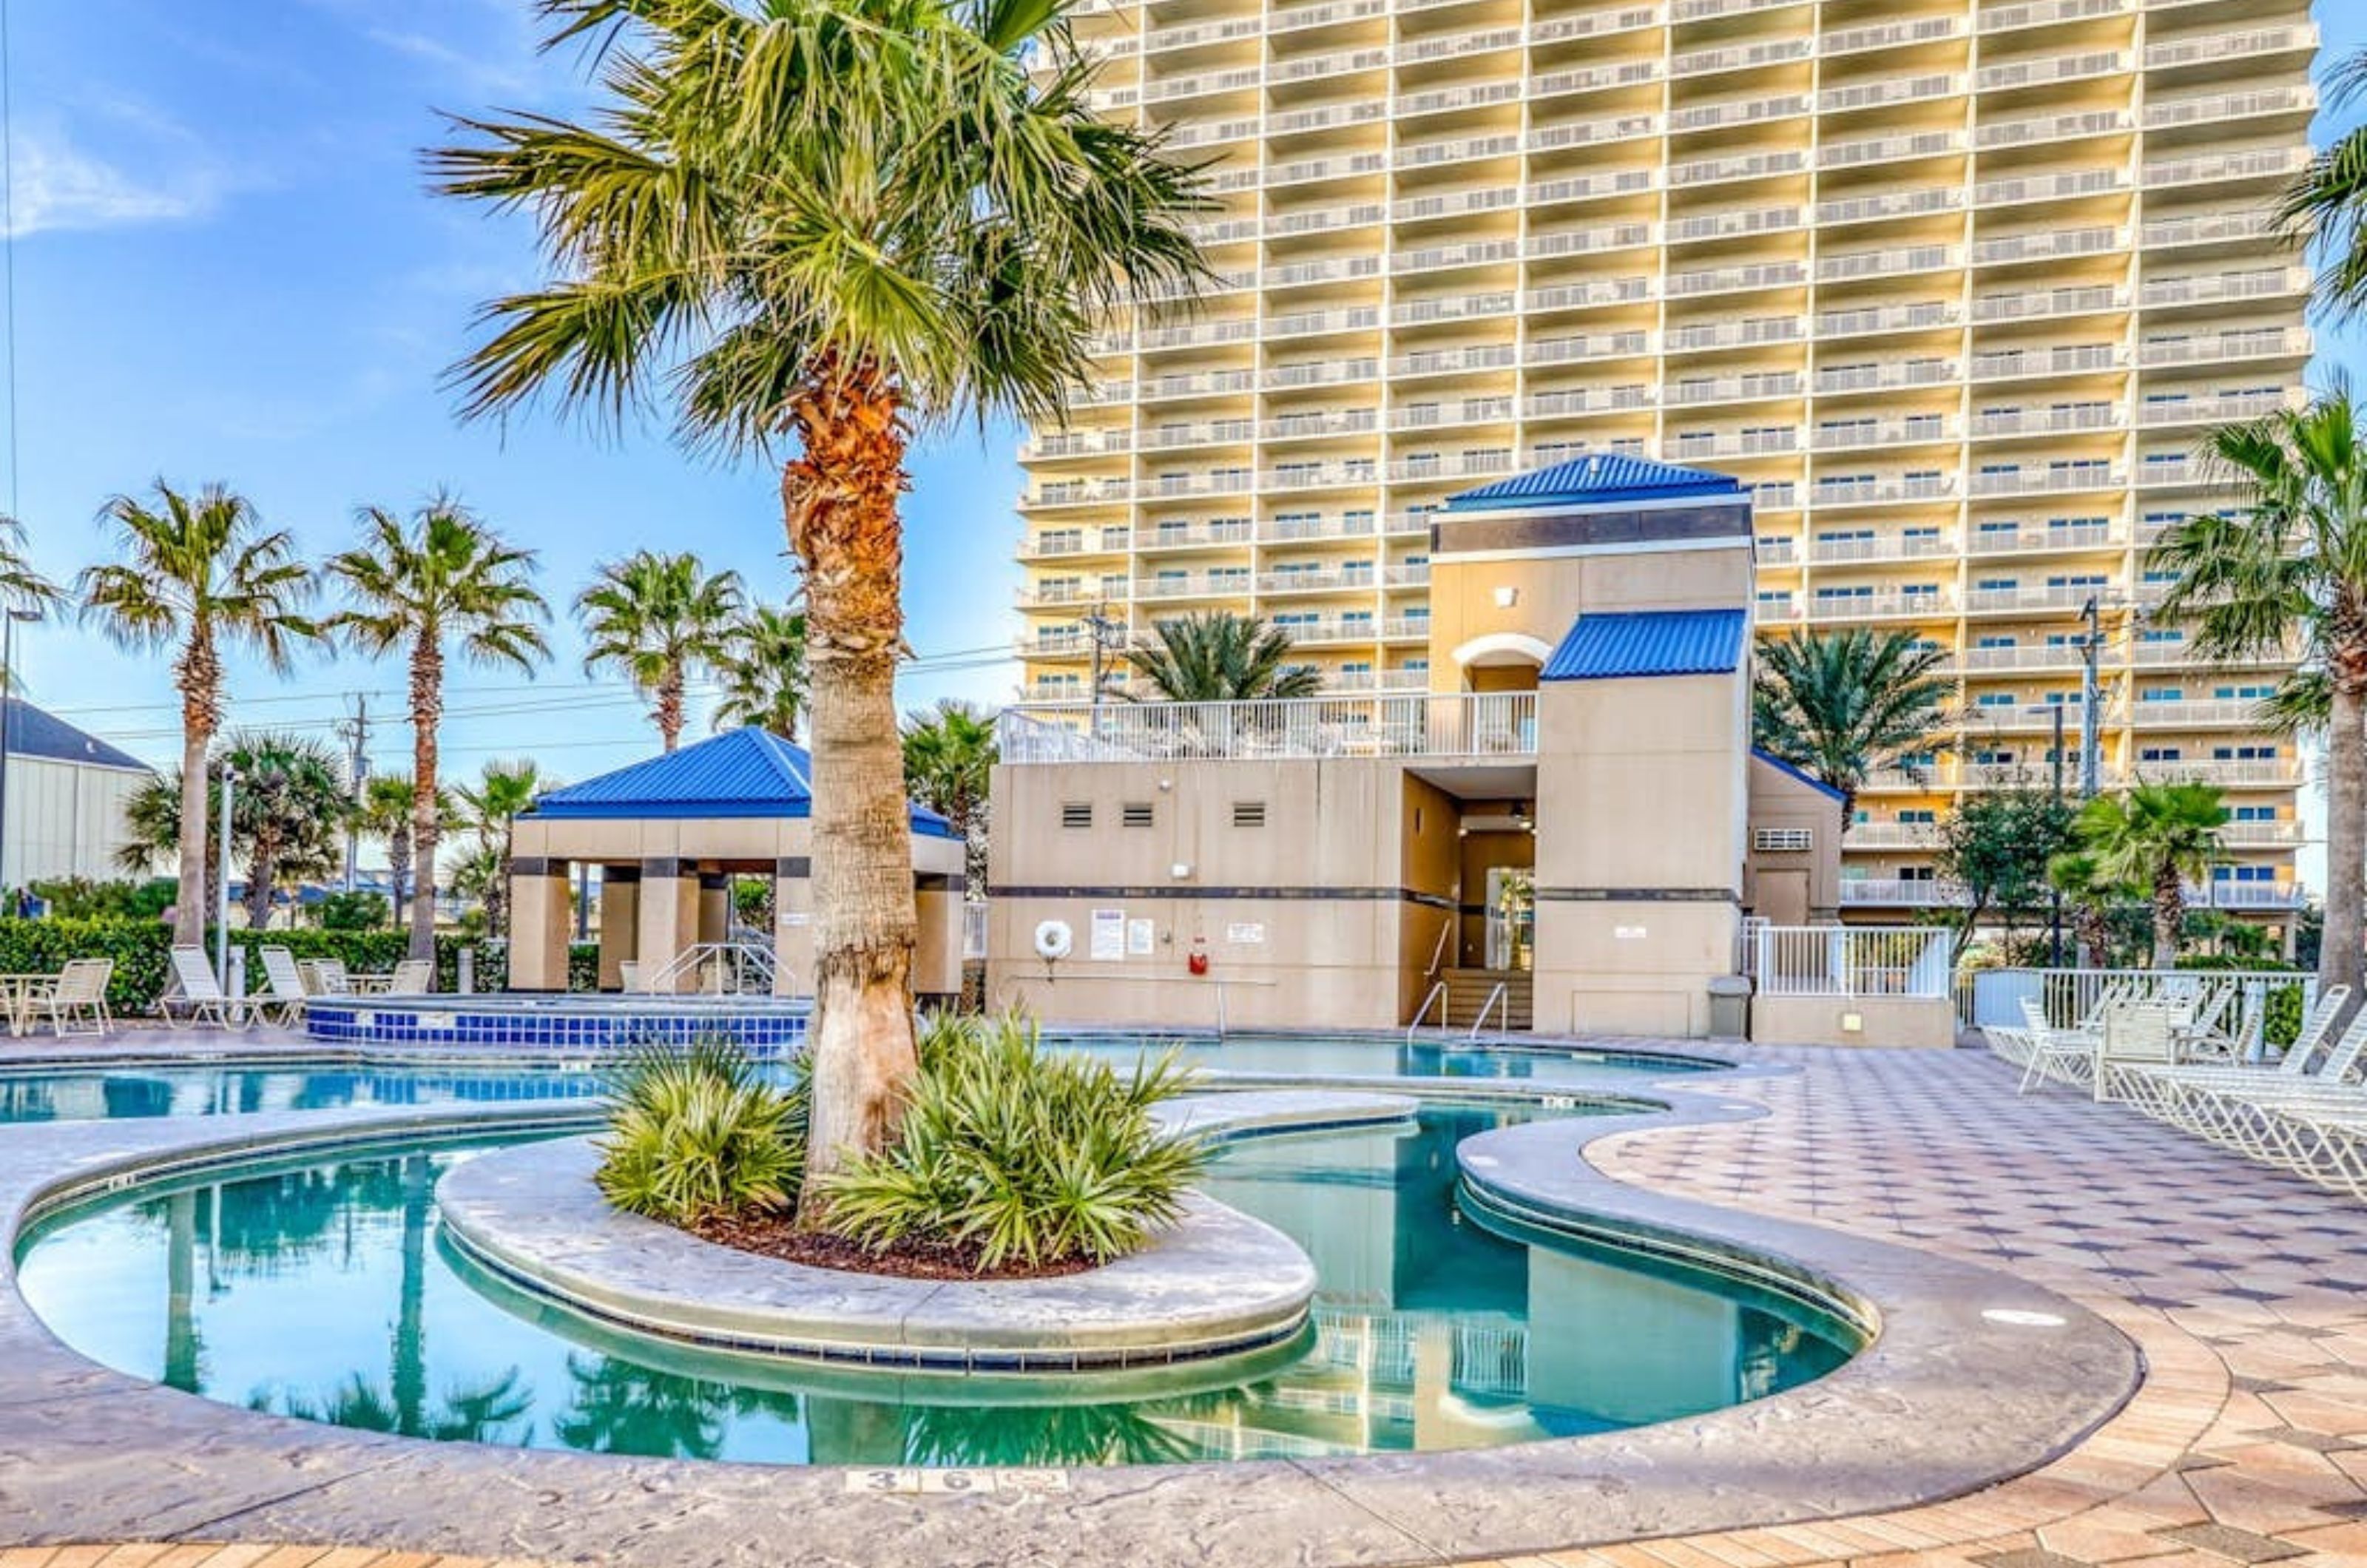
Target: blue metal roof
<point>1599,478</point>
<point>1796,770</point>
<point>743,773</point>
<point>1610,644</point>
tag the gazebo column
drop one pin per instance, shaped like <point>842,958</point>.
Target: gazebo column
<point>669,918</point>
<point>539,919</point>
<point>793,946</point>
<point>714,907</point>
<point>620,920</point>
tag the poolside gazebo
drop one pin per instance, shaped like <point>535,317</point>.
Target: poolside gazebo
<point>669,836</point>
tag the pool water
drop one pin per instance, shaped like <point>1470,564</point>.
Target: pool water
<point>84,1094</point>
<point>319,1290</point>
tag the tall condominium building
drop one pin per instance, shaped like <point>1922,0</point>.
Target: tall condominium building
<point>1956,289</point>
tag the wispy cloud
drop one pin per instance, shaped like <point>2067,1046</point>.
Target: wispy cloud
<point>482,75</point>
<point>57,185</point>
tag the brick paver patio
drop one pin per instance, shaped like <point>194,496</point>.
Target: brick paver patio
<point>2246,1289</point>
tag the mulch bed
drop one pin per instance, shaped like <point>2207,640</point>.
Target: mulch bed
<point>778,1236</point>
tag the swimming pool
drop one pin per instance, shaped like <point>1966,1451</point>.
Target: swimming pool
<point>317,1288</point>
<point>136,1090</point>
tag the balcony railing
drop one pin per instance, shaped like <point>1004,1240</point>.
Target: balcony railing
<point>2182,712</point>
<point>1489,725</point>
<point>1918,893</point>
<point>1920,428</point>
<point>1891,836</point>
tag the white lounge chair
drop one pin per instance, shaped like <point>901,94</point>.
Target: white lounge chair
<point>2137,1038</point>
<point>412,977</point>
<point>2057,1056</point>
<point>323,976</point>
<point>284,994</point>
<point>2268,1116</point>
<point>2163,1093</point>
<point>80,995</point>
<point>196,994</point>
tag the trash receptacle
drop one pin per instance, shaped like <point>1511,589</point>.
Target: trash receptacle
<point>1729,1008</point>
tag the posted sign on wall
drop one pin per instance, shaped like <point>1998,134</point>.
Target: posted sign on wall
<point>1108,940</point>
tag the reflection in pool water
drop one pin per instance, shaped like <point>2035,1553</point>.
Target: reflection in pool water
<point>320,1291</point>
<point>84,1094</point>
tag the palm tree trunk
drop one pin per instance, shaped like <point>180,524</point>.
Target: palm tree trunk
<point>200,678</point>
<point>2169,916</point>
<point>2342,950</point>
<point>397,870</point>
<point>262,871</point>
<point>427,709</point>
<point>839,502</point>
<point>669,714</point>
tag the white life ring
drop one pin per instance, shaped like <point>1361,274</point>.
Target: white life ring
<point>1054,939</point>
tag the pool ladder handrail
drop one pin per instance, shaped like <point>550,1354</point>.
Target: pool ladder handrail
<point>1437,993</point>
<point>1499,995</point>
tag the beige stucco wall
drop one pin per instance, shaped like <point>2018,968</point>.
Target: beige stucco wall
<point>1284,955</point>
<point>1770,879</point>
<point>1640,791</point>
<point>1550,591</point>
<point>1884,1021</point>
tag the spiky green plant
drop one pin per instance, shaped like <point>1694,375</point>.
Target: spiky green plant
<point>1020,1155</point>
<point>700,1131</point>
<point>1222,657</point>
<point>1842,704</point>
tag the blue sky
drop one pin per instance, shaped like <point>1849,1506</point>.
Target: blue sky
<point>227,268</point>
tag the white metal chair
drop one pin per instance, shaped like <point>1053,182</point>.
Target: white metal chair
<point>2056,1055</point>
<point>2169,1094</point>
<point>2138,1037</point>
<point>198,995</point>
<point>80,995</point>
<point>324,976</point>
<point>412,977</point>
<point>284,994</point>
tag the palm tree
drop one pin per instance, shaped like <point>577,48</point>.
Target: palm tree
<point>1222,657</point>
<point>2156,837</point>
<point>152,823</point>
<point>442,580</point>
<point>21,588</point>
<point>2287,565</point>
<point>2092,895</point>
<point>388,803</point>
<point>493,805</point>
<point>287,811</point>
<point>1840,705</point>
<point>827,226</point>
<point>654,617</point>
<point>2325,206</point>
<point>763,670</point>
<point>948,765</point>
<point>199,570</point>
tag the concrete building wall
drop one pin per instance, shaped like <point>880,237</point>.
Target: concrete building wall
<point>1639,851</point>
<point>66,819</point>
<point>1792,887</point>
<point>1303,916</point>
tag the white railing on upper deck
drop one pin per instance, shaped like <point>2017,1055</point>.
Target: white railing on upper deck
<point>1853,961</point>
<point>1486,723</point>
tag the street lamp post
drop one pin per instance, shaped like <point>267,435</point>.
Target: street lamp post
<point>222,881</point>
<point>2055,894</point>
<point>7,723</point>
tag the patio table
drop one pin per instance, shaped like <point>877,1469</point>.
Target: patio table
<point>369,985</point>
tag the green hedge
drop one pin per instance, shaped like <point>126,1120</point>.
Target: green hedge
<point>144,964</point>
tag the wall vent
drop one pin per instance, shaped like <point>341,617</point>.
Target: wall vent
<point>1135,814</point>
<point>1077,814</point>
<point>1248,814</point>
<point>1783,840</point>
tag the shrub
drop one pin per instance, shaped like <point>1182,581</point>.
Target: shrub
<point>1019,1156</point>
<point>344,911</point>
<point>699,1131</point>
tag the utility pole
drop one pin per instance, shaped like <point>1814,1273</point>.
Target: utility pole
<point>2090,701</point>
<point>1100,626</point>
<point>355,731</point>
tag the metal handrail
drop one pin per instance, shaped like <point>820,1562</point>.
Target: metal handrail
<point>1498,995</point>
<point>738,959</point>
<point>1438,951</point>
<point>1437,994</point>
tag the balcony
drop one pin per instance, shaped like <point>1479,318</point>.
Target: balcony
<point>2248,167</point>
<point>2020,659</point>
<point>1481,725</point>
<point>1452,308</point>
<point>1891,836</point>
<point>2036,304</point>
<point>2022,600</point>
<point>1890,204</point>
<point>1467,465</point>
<point>2209,288</point>
<point>1881,604</point>
<point>1732,389</point>
<point>2198,713</point>
<point>1867,892</point>
<point>1724,279</point>
<point>2048,481</point>
<point>2053,246</point>
<point>1353,473</point>
<point>2068,186</point>
<point>2226,408</point>
<point>1752,166</point>
<point>1378,681</point>
<point>1317,373</point>
<point>2085,358</point>
<point>1309,323</point>
<point>1901,90</point>
<point>1313,426</point>
<point>1294,530</point>
<point>1318,579</point>
<point>1203,383</point>
<point>1205,432</point>
<point>2051,69</point>
<point>1920,317</point>
<point>1191,536</point>
<point>2029,541</point>
<point>2216,48</point>
<point>1587,400</point>
<point>1888,148</point>
<point>1692,446</point>
<point>1884,377</point>
<point>2261,342</point>
<point>2205,229</point>
<point>2066,421</point>
<point>2278,772</point>
<point>1920,429</point>
<point>1089,542</point>
<point>1731,225</point>
<point>1751,332</point>
<point>1435,417</point>
<point>1454,361</point>
<point>1580,295</point>
<point>1881,547</point>
<point>2218,109</point>
<point>2259,836</point>
<point>1886,263</point>
<point>1232,584</point>
<point>1741,112</point>
<point>2053,128</point>
<point>2045,13</point>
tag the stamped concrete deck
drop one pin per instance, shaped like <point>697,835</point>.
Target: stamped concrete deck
<point>2246,1289</point>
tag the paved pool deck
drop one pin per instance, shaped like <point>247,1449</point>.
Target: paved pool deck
<point>2244,1289</point>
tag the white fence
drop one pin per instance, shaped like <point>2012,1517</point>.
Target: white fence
<point>1485,724</point>
<point>2071,996</point>
<point>1851,961</point>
